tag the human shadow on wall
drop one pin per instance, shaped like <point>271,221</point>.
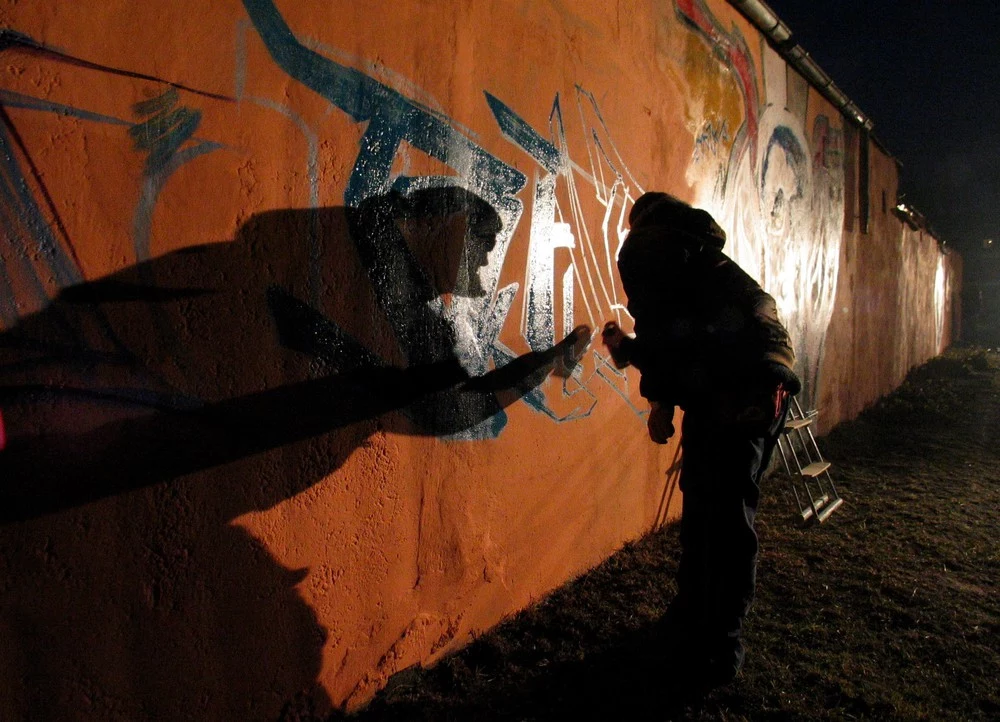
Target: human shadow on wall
<point>208,383</point>
<point>170,367</point>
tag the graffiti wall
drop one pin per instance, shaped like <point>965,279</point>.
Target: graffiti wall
<point>285,401</point>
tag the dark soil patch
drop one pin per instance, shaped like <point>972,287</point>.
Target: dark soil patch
<point>889,610</point>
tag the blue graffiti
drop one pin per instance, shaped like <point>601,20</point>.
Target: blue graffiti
<point>785,139</point>
<point>38,257</point>
<point>394,123</point>
<point>522,134</point>
<point>162,134</point>
<point>164,130</point>
<point>392,120</point>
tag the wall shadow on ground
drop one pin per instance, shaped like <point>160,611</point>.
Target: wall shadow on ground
<point>147,410</point>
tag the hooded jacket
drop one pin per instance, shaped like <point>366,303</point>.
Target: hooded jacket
<point>707,336</point>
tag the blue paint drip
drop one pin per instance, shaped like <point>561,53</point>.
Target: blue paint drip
<point>159,104</point>
<point>486,429</point>
<point>536,400</point>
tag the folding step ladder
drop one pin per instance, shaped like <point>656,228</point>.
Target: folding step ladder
<point>812,480</point>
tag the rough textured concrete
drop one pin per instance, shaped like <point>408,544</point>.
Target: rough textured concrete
<point>259,261</point>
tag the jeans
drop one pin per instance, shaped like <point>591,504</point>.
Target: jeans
<point>720,478</point>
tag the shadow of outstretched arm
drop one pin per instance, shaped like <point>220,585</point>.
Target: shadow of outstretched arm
<point>43,474</point>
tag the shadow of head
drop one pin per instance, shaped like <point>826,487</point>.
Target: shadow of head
<point>449,231</point>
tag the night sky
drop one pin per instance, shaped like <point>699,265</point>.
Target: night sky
<point>927,72</point>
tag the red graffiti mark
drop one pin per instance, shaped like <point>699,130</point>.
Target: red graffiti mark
<point>735,53</point>
<point>3,433</point>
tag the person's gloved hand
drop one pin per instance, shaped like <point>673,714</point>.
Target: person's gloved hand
<point>612,335</point>
<point>660,423</point>
<point>614,340</point>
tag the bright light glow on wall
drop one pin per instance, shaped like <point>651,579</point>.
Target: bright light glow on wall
<point>782,206</point>
<point>941,293</point>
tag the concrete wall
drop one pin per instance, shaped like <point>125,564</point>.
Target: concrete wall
<point>897,302</point>
<point>241,462</point>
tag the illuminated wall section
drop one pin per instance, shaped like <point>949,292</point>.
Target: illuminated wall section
<point>768,164</point>
<point>277,282</point>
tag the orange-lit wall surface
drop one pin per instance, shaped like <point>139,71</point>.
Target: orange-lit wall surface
<point>257,260</point>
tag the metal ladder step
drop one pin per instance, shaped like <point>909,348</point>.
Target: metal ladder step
<point>815,469</point>
<point>807,513</point>
<point>828,509</point>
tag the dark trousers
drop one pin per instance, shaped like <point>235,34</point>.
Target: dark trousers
<point>720,477</point>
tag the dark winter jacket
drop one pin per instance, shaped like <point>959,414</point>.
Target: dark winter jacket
<point>706,335</point>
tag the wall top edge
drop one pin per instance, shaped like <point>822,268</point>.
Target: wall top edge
<point>779,35</point>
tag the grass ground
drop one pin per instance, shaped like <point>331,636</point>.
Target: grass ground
<point>889,610</point>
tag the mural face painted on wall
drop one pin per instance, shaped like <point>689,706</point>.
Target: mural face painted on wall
<point>396,122</point>
<point>776,186</point>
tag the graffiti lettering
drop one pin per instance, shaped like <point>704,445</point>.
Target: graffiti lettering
<point>470,321</point>
<point>392,120</point>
